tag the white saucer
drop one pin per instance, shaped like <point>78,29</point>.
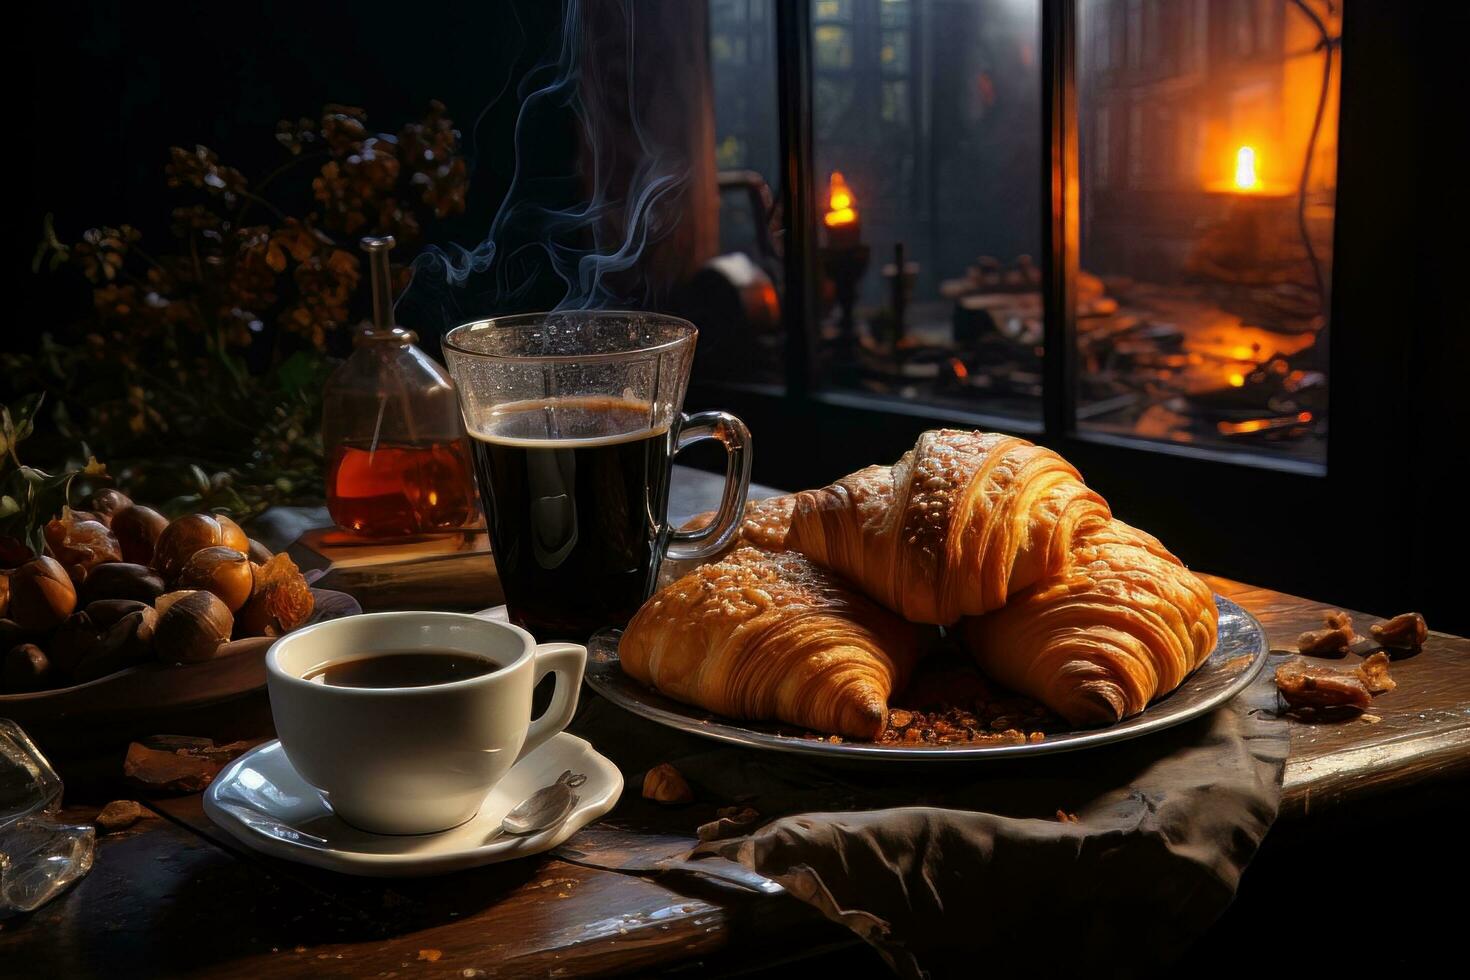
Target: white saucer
<point>262,802</point>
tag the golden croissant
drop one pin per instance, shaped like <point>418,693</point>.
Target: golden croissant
<point>962,522</point>
<point>772,637</point>
<point>764,523</point>
<point>1121,623</point>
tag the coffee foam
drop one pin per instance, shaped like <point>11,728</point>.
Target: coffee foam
<point>628,415</point>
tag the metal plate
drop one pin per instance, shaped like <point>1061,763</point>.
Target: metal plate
<point>1238,659</point>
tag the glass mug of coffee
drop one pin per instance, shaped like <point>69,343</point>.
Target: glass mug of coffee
<point>574,420</point>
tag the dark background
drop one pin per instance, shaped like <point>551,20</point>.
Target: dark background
<point>105,87</point>
<point>112,85</point>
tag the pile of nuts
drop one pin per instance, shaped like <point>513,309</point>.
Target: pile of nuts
<point>121,585</point>
<point>1315,690</point>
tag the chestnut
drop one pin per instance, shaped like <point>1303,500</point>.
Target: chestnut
<point>256,619</point>
<point>126,640</point>
<point>137,529</point>
<point>122,580</point>
<point>107,502</point>
<point>181,539</point>
<point>41,595</point>
<point>75,640</point>
<point>26,668</point>
<point>223,571</point>
<point>233,536</point>
<point>192,625</point>
<point>259,553</point>
<point>5,593</point>
<point>105,612</point>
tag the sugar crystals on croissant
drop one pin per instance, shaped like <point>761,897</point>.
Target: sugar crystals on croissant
<point>772,637</point>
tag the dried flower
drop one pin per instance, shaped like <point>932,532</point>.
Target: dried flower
<point>201,169</point>
<point>215,339</point>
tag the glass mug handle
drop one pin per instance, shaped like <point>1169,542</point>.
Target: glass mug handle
<point>710,539</point>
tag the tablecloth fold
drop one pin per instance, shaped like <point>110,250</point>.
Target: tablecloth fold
<point>944,867</point>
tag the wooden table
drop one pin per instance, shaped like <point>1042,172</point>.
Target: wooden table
<point>174,895</point>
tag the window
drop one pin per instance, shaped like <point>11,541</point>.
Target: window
<point>1202,299</point>
<point>737,304</point>
<point>744,84</point>
<point>930,137</point>
<point>930,114</point>
<point>1205,260</point>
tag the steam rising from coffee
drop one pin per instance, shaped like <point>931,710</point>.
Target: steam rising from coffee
<point>593,247</point>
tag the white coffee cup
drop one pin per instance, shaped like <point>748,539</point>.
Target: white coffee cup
<point>415,760</point>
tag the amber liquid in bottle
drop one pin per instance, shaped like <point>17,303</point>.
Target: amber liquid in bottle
<point>392,489</point>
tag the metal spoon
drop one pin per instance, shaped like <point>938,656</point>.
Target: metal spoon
<point>544,808</point>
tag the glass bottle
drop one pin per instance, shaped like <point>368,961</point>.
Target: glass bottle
<point>397,461</point>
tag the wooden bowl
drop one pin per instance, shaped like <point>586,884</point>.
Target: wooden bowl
<point>148,698</point>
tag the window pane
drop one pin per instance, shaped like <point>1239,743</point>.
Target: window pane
<point>895,111</point>
<point>735,302</point>
<point>833,46</point>
<point>935,129</point>
<point>1206,261</point>
<point>894,13</point>
<point>894,55</point>
<point>832,101</point>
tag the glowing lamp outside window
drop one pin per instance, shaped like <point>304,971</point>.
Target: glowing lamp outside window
<point>840,203</point>
<point>1245,169</point>
<point>1243,175</point>
<point>844,229</point>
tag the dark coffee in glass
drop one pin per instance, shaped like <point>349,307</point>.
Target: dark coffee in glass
<point>574,484</point>
<point>574,421</point>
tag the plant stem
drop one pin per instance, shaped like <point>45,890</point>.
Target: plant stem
<point>251,198</point>
<point>289,165</point>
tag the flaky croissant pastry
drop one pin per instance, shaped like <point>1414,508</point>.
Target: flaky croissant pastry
<point>1121,623</point>
<point>772,637</point>
<point>962,522</point>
